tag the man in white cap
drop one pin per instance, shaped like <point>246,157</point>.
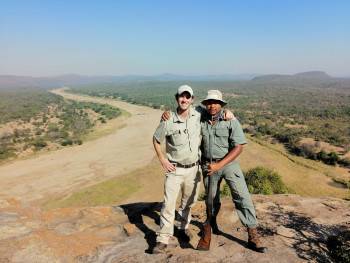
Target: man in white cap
<point>222,143</point>
<point>181,133</point>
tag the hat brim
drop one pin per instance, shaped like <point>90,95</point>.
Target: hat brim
<point>177,94</point>
<point>222,102</point>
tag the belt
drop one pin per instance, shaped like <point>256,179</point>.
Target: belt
<point>184,165</point>
<point>214,160</point>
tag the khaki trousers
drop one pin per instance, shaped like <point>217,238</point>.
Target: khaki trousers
<point>186,180</point>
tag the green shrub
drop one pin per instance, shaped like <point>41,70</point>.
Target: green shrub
<point>329,158</point>
<point>38,131</point>
<point>345,162</point>
<point>265,181</point>
<point>103,120</point>
<point>333,158</point>
<point>6,152</point>
<point>39,143</point>
<point>202,196</point>
<point>53,127</point>
<point>66,142</point>
<point>225,191</point>
<point>78,141</point>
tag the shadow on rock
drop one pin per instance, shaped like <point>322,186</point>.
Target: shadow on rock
<point>220,233</point>
<point>234,239</point>
<point>310,240</point>
<point>135,212</point>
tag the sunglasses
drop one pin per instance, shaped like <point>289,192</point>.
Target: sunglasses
<point>186,95</point>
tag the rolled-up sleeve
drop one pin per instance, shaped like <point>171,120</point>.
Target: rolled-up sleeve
<point>237,135</point>
<point>160,132</point>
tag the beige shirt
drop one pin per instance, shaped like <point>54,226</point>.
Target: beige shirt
<point>182,137</point>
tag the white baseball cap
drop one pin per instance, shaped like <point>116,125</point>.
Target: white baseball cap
<point>184,88</point>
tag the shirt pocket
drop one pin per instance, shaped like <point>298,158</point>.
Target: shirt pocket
<point>177,137</point>
<point>221,137</point>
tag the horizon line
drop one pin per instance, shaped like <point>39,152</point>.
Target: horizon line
<point>171,74</point>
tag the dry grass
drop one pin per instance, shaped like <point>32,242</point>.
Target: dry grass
<point>302,176</point>
<point>305,177</point>
<point>324,146</point>
<point>142,185</point>
<point>295,126</point>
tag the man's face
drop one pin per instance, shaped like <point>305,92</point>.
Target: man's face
<point>184,100</point>
<point>213,107</point>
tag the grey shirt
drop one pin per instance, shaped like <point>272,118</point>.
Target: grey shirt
<point>221,138</point>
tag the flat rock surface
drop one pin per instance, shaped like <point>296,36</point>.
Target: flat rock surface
<point>294,228</point>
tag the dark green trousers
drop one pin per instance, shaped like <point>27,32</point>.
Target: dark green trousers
<point>234,178</point>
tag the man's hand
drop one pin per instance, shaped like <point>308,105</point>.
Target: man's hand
<point>167,166</point>
<point>165,116</point>
<point>228,115</point>
<point>213,167</point>
<point>232,155</point>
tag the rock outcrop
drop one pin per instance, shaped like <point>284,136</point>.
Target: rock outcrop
<point>294,228</point>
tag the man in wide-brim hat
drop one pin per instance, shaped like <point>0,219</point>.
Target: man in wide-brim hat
<point>215,96</point>
<point>222,143</point>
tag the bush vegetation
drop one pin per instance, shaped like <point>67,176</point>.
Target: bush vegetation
<point>24,104</point>
<point>50,118</point>
<point>283,110</point>
<point>260,180</point>
<point>265,181</point>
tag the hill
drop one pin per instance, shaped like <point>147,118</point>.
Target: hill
<point>309,75</point>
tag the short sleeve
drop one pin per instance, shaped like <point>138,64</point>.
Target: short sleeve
<point>160,132</point>
<point>237,134</point>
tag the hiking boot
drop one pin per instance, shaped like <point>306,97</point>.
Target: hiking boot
<point>160,248</point>
<point>254,241</point>
<point>204,242</point>
<point>183,236</point>
<point>214,226</point>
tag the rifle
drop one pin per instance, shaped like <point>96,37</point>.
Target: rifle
<point>204,242</point>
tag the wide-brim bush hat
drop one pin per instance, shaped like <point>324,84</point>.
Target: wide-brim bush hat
<point>214,95</point>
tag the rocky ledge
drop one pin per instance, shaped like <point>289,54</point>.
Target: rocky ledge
<point>294,228</point>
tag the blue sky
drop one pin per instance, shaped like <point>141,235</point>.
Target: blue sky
<point>42,38</point>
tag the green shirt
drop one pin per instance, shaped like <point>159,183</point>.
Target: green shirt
<point>221,138</point>
<point>182,137</point>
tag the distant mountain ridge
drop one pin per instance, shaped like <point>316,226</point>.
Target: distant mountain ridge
<point>309,75</point>
<point>12,81</point>
<point>303,79</point>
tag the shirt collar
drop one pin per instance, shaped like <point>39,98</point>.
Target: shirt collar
<point>190,114</point>
<point>218,117</point>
